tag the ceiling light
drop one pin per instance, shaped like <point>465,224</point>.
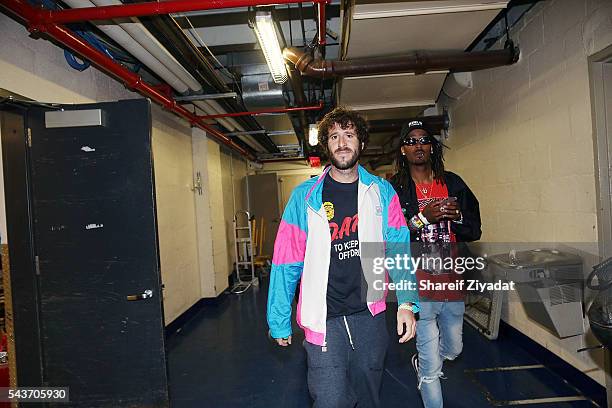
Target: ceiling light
<point>313,134</point>
<point>266,35</point>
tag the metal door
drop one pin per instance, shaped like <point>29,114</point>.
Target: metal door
<point>96,253</point>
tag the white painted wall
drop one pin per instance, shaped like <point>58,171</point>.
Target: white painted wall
<point>290,175</point>
<point>523,141</point>
<point>36,69</point>
<point>223,194</point>
<point>218,218</point>
<point>203,217</point>
<point>234,171</point>
<point>175,212</point>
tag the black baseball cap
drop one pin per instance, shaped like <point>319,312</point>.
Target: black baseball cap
<point>412,125</point>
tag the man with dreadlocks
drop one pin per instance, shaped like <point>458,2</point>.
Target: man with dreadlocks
<point>440,210</point>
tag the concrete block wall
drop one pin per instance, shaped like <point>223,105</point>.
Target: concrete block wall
<point>222,189</point>
<point>227,180</point>
<point>217,216</point>
<point>234,196</point>
<point>175,212</point>
<point>206,265</point>
<point>523,141</point>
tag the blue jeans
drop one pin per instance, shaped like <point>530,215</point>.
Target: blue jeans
<point>348,372</point>
<point>438,337</point>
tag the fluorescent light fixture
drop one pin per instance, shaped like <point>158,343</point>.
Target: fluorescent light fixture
<point>313,134</point>
<point>266,35</point>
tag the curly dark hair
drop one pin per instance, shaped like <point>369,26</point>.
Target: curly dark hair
<point>345,118</point>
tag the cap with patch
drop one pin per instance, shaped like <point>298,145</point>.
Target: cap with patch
<point>412,125</point>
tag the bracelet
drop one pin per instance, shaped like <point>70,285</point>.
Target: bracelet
<point>460,220</point>
<point>406,306</point>
<point>423,218</point>
<point>415,223</point>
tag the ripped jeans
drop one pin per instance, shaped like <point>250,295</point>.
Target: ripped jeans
<point>438,337</point>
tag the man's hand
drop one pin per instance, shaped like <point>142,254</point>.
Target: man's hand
<point>284,342</point>
<point>433,212</point>
<point>406,323</point>
<point>451,211</point>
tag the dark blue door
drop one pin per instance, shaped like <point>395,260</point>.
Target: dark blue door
<point>96,253</point>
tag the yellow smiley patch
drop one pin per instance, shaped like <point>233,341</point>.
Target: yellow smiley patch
<point>329,210</point>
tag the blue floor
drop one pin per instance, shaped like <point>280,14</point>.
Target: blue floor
<point>222,357</point>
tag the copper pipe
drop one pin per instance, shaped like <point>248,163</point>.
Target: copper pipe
<point>418,62</point>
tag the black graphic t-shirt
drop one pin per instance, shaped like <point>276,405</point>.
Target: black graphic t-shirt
<point>345,274</point>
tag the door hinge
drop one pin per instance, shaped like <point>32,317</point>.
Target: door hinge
<point>29,137</point>
<point>37,265</point>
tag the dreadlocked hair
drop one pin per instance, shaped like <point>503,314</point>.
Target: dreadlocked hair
<point>345,118</point>
<point>402,167</point>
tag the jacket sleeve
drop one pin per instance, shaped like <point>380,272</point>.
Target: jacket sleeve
<point>397,242</point>
<point>469,229</point>
<point>287,266</point>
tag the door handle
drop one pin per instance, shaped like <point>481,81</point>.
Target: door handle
<point>145,295</point>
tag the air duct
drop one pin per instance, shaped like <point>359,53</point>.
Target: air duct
<point>456,85</point>
<point>259,91</point>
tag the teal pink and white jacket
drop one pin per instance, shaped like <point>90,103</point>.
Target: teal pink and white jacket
<point>302,251</point>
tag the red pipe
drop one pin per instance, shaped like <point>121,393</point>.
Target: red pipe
<point>150,8</point>
<point>130,79</point>
<point>261,112</point>
<point>322,22</point>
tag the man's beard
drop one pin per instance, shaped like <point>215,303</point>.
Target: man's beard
<point>349,163</point>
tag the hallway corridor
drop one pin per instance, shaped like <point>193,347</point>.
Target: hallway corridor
<point>222,358</point>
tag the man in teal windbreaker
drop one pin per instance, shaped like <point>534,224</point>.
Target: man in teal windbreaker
<point>335,233</point>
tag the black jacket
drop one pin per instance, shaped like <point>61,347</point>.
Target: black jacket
<point>469,229</point>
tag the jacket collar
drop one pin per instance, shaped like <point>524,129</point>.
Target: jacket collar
<point>314,198</point>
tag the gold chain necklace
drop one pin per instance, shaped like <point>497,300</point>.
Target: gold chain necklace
<point>425,190</point>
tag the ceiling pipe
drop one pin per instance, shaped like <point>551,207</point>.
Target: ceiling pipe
<point>130,45</point>
<point>300,100</point>
<point>209,111</point>
<point>418,62</point>
<point>266,111</point>
<point>171,37</point>
<point>137,40</point>
<point>131,80</point>
<point>286,159</point>
<point>214,109</point>
<point>151,8</point>
<point>220,109</point>
<point>150,43</point>
<point>322,22</point>
<point>141,43</point>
